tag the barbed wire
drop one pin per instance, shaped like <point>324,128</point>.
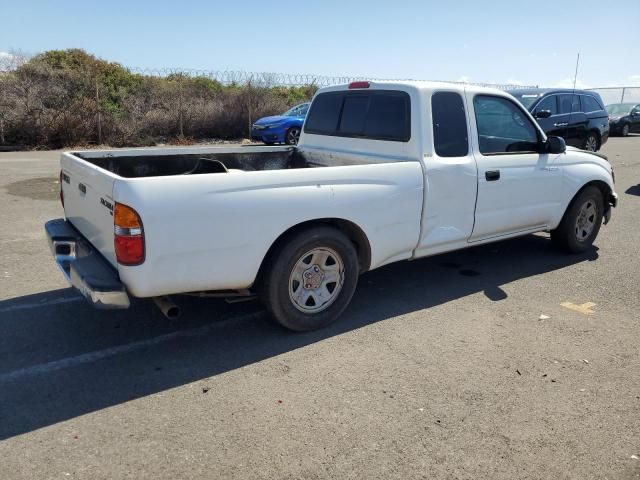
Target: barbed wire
<point>241,77</point>
<point>273,79</point>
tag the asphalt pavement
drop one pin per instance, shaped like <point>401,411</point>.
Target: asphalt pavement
<point>502,361</point>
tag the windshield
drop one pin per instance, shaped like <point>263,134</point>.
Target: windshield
<point>297,111</point>
<point>526,99</point>
<point>619,108</point>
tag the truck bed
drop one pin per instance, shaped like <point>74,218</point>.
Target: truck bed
<point>168,164</point>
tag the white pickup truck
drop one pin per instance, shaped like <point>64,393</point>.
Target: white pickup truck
<point>383,172</point>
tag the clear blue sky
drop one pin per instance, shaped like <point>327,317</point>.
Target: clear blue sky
<point>533,42</point>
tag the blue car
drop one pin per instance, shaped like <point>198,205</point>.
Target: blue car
<point>283,128</point>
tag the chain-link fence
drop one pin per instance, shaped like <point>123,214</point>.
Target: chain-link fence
<point>618,94</point>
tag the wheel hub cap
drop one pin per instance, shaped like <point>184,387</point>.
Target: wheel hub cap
<point>313,277</point>
<point>316,280</point>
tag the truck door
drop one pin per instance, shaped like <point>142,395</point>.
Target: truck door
<point>450,170</point>
<point>518,187</point>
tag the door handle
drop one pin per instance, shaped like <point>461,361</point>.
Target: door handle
<point>492,175</point>
<point>550,169</point>
<point>561,124</point>
<point>82,187</point>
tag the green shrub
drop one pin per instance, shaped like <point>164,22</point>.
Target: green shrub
<point>61,98</point>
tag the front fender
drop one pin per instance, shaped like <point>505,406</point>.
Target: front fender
<point>581,169</point>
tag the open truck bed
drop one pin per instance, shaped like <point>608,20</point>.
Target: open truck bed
<point>166,162</point>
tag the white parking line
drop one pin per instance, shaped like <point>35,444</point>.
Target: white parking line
<point>120,349</point>
<point>26,306</point>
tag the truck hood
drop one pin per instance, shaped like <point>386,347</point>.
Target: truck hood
<point>574,149</point>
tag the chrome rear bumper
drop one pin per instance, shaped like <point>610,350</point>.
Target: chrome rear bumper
<point>84,268</point>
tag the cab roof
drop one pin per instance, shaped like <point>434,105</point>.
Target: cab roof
<point>420,85</point>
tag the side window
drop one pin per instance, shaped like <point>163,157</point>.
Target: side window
<point>569,103</point>
<point>503,126</point>
<point>324,114</point>
<point>549,103</point>
<point>590,104</point>
<point>450,137</point>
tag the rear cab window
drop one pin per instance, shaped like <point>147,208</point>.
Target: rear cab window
<point>369,114</point>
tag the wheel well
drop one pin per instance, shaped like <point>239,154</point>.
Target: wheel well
<point>350,229</point>
<point>599,184</point>
<point>602,186</point>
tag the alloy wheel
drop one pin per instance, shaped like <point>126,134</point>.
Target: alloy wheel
<point>293,135</point>
<point>591,144</point>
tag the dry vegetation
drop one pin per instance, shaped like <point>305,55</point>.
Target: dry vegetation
<point>68,97</point>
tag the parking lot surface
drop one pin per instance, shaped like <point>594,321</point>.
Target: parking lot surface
<point>504,361</point>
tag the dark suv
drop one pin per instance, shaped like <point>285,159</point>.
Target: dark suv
<point>624,118</point>
<point>576,115</point>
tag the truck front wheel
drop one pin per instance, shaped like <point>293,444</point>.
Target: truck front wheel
<point>310,280</point>
<point>581,222</point>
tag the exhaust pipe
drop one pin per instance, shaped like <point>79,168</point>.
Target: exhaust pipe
<point>167,307</point>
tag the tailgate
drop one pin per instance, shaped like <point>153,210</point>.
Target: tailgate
<point>88,202</point>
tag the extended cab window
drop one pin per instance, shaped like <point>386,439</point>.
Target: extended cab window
<point>503,126</point>
<point>449,125</point>
<point>374,114</point>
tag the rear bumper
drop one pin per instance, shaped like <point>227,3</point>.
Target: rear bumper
<point>84,268</point>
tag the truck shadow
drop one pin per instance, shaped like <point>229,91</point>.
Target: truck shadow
<point>633,190</point>
<point>62,359</point>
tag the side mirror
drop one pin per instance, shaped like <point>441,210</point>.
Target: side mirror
<point>543,114</point>
<point>555,145</point>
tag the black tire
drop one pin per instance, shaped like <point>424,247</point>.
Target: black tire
<point>591,142</point>
<point>626,128</point>
<point>571,235</point>
<point>279,280</point>
<point>292,136</point>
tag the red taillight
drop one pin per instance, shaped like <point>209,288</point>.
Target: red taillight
<point>61,192</point>
<point>129,250</point>
<point>128,235</point>
<point>359,85</point>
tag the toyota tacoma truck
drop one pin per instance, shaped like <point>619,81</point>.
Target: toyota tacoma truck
<point>383,172</point>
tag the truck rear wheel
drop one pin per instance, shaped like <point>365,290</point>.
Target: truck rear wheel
<point>309,282</point>
<point>581,222</point>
